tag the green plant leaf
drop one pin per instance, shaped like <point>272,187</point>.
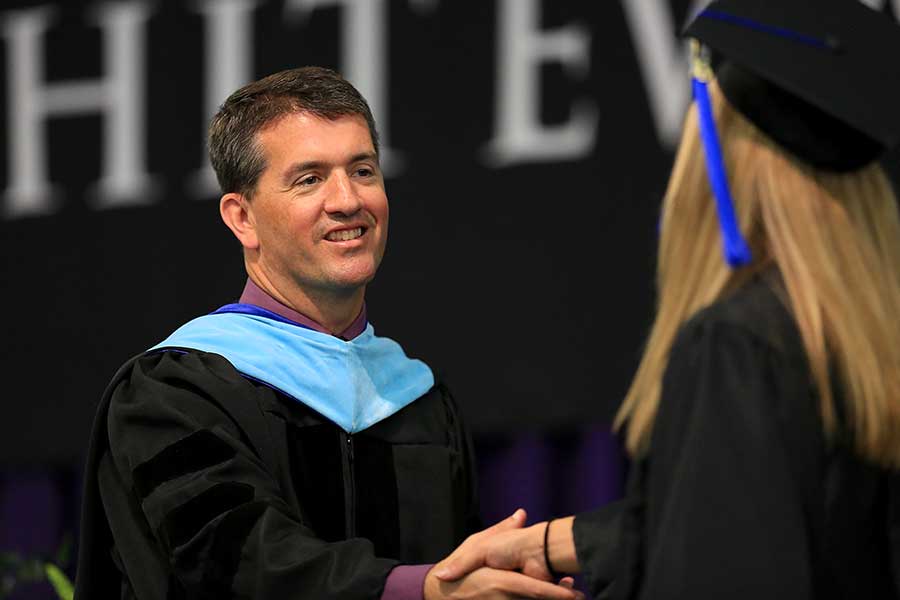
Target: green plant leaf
<point>64,553</point>
<point>59,581</point>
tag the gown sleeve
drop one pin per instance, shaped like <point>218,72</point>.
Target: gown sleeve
<point>724,516</point>
<point>205,495</point>
<point>597,542</point>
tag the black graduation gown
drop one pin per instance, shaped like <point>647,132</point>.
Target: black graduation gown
<point>201,483</point>
<point>741,496</point>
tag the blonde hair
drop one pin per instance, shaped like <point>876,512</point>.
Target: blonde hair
<point>835,239</point>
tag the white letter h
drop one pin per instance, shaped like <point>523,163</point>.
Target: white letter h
<point>119,96</point>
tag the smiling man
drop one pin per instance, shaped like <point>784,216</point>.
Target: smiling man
<point>278,448</point>
<point>315,226</point>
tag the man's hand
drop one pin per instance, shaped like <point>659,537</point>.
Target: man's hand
<point>503,547</point>
<point>506,545</point>
<point>486,583</point>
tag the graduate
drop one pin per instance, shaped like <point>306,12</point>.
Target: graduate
<point>278,448</point>
<point>764,419</point>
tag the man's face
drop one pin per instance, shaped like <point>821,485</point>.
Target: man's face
<point>320,208</point>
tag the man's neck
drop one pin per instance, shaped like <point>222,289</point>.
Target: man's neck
<point>334,312</point>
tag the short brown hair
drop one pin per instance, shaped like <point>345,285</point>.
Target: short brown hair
<point>234,153</point>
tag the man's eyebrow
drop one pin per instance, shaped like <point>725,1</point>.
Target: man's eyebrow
<point>363,156</point>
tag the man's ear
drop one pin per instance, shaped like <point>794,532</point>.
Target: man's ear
<point>237,213</point>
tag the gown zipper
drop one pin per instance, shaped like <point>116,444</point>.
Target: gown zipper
<point>349,487</point>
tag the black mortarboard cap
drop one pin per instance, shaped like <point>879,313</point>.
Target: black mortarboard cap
<point>820,77</point>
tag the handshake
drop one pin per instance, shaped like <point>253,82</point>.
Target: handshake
<point>509,560</point>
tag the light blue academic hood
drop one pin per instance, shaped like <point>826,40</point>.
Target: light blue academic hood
<point>354,383</point>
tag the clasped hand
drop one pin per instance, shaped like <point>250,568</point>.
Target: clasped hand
<point>504,561</point>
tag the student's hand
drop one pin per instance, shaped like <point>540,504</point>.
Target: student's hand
<point>509,546</point>
<point>486,583</point>
<point>505,545</point>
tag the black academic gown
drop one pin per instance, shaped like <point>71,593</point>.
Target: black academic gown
<point>201,483</point>
<point>741,496</point>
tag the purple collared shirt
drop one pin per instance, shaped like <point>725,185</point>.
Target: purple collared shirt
<point>253,294</point>
<point>404,582</point>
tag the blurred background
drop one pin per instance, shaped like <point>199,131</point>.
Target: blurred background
<point>527,146</point>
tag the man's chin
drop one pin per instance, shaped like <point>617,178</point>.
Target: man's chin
<point>350,283</point>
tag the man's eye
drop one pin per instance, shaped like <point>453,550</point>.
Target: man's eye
<point>365,172</point>
<point>308,181</point>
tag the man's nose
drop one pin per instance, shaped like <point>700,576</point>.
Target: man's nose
<point>343,197</point>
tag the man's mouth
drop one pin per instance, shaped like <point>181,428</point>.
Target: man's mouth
<point>345,235</point>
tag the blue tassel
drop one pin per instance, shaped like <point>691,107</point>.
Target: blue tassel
<point>737,252</point>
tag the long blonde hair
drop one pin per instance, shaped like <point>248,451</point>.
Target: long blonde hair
<point>835,239</point>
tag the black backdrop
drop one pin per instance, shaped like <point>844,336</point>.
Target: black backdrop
<point>526,281</point>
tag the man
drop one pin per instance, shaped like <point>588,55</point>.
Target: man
<point>278,448</point>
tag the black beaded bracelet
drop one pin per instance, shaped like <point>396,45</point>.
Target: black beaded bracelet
<point>553,574</point>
